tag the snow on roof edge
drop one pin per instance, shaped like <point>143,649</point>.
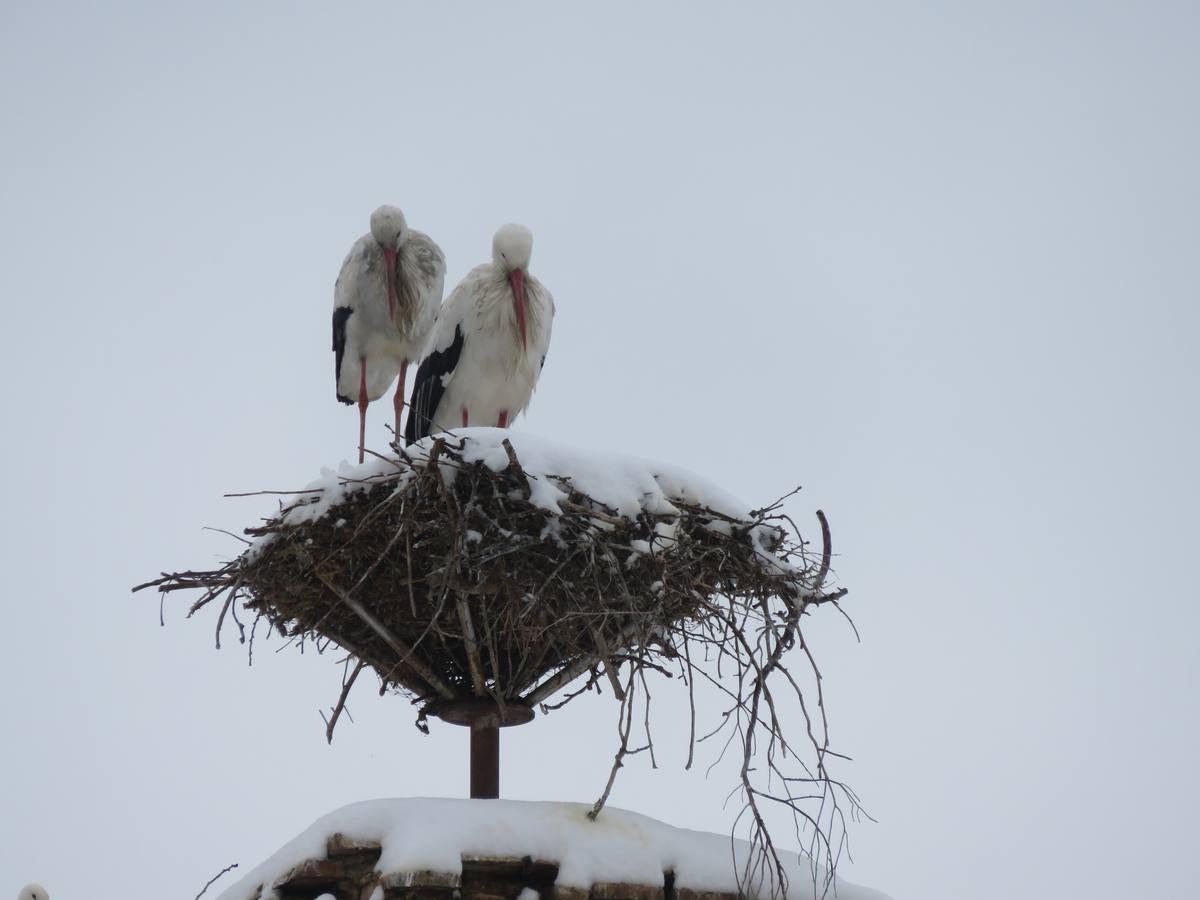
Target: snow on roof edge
<point>422,833</point>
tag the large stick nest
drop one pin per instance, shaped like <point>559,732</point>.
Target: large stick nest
<point>453,582</point>
<point>461,587</point>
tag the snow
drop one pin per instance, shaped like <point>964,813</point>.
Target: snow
<point>630,485</point>
<point>418,834</point>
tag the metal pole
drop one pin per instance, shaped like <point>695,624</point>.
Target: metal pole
<point>485,718</point>
<point>485,759</point>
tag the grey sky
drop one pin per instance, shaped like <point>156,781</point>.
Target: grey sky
<point>936,262</point>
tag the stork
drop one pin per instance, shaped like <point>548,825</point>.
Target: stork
<point>489,344</point>
<point>33,892</point>
<point>384,305</point>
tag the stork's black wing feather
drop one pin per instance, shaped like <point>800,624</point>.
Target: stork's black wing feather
<point>429,387</point>
<point>340,315</point>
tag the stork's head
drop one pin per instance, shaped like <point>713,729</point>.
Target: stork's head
<point>511,248</point>
<point>390,231</point>
<point>33,892</point>
<point>389,228</point>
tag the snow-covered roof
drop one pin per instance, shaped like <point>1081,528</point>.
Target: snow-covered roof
<point>424,834</point>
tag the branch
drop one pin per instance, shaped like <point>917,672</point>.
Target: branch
<point>331,722</point>
<point>606,661</point>
<point>228,868</point>
<point>474,663</point>
<point>514,468</point>
<point>624,725</point>
<point>405,652</point>
<point>826,553</point>
<point>573,671</point>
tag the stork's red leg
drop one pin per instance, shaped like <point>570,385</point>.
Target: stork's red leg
<point>502,419</point>
<point>464,412</point>
<point>362,408</point>
<point>398,400</point>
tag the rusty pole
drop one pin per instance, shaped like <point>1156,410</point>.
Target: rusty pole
<point>485,759</point>
<point>485,718</point>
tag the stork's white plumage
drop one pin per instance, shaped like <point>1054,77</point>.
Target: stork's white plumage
<point>384,305</point>
<point>489,344</point>
<point>33,892</point>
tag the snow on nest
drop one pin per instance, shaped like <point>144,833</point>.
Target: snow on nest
<point>417,834</point>
<point>630,485</point>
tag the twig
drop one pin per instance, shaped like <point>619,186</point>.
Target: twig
<point>625,720</point>
<point>236,537</point>
<point>514,468</point>
<point>228,868</point>
<point>331,722</point>
<point>571,672</point>
<point>826,553</point>
<point>606,661</point>
<point>403,651</point>
<point>259,493</point>
<point>473,660</point>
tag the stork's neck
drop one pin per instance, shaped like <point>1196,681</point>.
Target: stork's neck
<point>403,285</point>
<point>496,312</point>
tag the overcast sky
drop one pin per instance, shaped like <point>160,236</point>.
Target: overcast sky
<point>936,262</point>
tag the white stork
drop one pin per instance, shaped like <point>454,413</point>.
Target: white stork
<point>384,305</point>
<point>33,892</point>
<point>489,344</point>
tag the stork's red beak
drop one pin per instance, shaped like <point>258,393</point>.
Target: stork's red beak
<point>389,272</point>
<point>516,278</point>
